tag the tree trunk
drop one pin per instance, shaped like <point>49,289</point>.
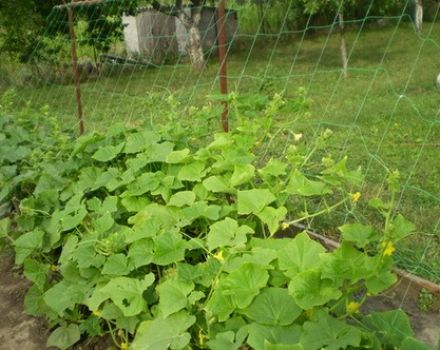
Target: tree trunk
<point>343,45</point>
<point>195,49</point>
<point>418,15</point>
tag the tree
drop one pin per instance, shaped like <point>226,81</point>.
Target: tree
<point>191,23</point>
<point>340,7</point>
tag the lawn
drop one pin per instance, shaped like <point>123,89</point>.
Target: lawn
<point>385,115</point>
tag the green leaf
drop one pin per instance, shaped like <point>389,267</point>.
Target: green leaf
<point>181,199</point>
<point>400,228</point>
<point>178,156</point>
<point>147,182</point>
<point>359,234</point>
<point>169,248</point>
<point>26,244</point>
<point>300,254</point>
<point>253,201</point>
<point>226,341</point>
<point>326,332</point>
<point>309,290</point>
<point>135,204</point>
<point>36,272</point>
<point>220,305</point>
<point>272,217</point>
<point>273,307</point>
<point>117,265</point>
<point>242,174</point>
<point>382,281</point>
<point>244,284</point>
<point>227,233</point>
<point>173,296</point>
<point>125,292</point>
<point>5,226</point>
<point>164,333</point>
<point>260,336</point>
<point>141,252</point>
<point>274,167</point>
<point>391,327</point>
<point>410,343</point>
<point>64,337</point>
<point>193,171</point>
<point>216,184</point>
<point>64,295</point>
<point>104,223</point>
<point>107,153</point>
<point>302,186</point>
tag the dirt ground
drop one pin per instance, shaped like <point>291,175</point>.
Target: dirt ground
<point>17,330</point>
<point>21,332</point>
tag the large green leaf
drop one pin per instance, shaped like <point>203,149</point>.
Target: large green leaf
<point>272,217</point>
<point>193,171</point>
<point>173,296</point>
<point>244,284</point>
<point>64,295</point>
<point>125,292</point>
<point>242,174</point>
<point>107,153</point>
<point>140,252</point>
<point>253,201</point>
<point>326,332</point>
<point>36,272</point>
<point>64,337</point>
<point>169,248</point>
<point>117,265</point>
<point>261,336</point>
<point>164,333</point>
<point>399,228</point>
<point>300,254</point>
<point>273,306</point>
<point>309,290</point>
<point>227,341</point>
<point>391,327</point>
<point>27,243</point>
<point>178,156</point>
<point>181,199</point>
<point>227,233</point>
<point>359,234</point>
<point>302,186</point>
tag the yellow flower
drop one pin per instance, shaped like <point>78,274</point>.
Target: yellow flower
<point>97,313</point>
<point>202,338</point>
<point>353,307</point>
<point>297,137</point>
<point>388,248</point>
<point>124,346</point>
<point>355,197</point>
<point>53,268</point>
<point>284,226</point>
<point>219,256</point>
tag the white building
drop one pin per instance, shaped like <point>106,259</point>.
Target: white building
<point>154,35</point>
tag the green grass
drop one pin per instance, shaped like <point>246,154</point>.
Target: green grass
<point>385,115</point>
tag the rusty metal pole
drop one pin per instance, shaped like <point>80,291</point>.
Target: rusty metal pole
<point>223,75</point>
<point>75,71</point>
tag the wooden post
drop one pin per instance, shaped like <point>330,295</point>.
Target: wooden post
<point>75,71</point>
<point>223,75</point>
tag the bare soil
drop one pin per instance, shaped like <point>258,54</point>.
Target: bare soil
<point>19,331</point>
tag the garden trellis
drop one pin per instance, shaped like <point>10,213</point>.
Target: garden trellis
<point>364,83</point>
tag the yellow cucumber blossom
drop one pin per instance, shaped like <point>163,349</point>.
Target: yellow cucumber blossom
<point>219,256</point>
<point>53,268</point>
<point>284,226</point>
<point>353,307</point>
<point>388,248</point>
<point>96,313</point>
<point>124,346</point>
<point>355,196</point>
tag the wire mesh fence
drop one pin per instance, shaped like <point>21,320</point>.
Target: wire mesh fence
<point>368,76</point>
